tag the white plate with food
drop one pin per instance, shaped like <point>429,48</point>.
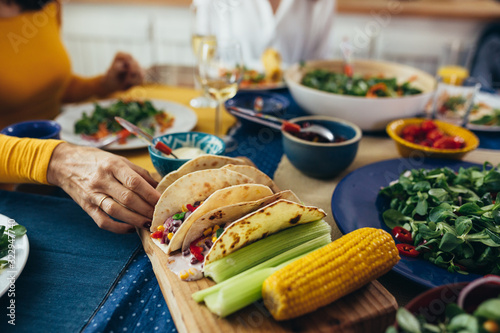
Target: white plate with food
<point>157,117</point>
<point>14,255</point>
<point>485,115</point>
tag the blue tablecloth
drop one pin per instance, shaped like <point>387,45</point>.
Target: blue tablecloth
<point>79,277</point>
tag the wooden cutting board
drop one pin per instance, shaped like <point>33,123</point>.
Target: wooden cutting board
<point>370,309</point>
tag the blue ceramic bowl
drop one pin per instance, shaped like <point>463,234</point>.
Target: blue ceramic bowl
<point>323,160</point>
<point>273,105</point>
<point>209,143</point>
<point>38,129</point>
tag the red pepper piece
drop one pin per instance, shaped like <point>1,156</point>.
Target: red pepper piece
<point>196,250</point>
<point>191,208</point>
<point>157,234</point>
<point>402,235</point>
<point>407,250</point>
<point>122,136</point>
<point>348,70</point>
<point>290,127</point>
<point>163,148</point>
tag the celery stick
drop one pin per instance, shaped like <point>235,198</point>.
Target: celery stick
<point>236,296</point>
<point>241,292</point>
<point>264,249</point>
<point>290,255</point>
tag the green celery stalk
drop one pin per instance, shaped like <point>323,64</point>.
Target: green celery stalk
<point>287,256</point>
<point>264,249</point>
<point>240,292</point>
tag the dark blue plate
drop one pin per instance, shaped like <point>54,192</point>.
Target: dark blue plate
<point>356,204</point>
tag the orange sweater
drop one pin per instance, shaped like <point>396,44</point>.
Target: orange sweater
<point>35,68</point>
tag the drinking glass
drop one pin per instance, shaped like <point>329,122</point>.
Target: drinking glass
<point>220,68</point>
<point>201,31</point>
<point>454,102</point>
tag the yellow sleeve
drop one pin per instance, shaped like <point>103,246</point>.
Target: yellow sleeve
<point>25,160</point>
<point>82,88</point>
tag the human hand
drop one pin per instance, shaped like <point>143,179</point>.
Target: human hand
<point>105,185</point>
<point>123,73</point>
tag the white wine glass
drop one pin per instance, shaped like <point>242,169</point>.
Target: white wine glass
<point>201,31</point>
<point>220,68</point>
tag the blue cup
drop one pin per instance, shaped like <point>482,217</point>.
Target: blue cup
<point>37,129</point>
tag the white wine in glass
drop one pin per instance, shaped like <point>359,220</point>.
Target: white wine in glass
<point>220,68</point>
<point>201,30</point>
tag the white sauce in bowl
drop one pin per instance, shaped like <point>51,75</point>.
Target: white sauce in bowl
<point>186,153</point>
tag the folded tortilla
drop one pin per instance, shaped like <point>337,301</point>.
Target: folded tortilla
<point>195,186</point>
<point>258,176</point>
<point>227,214</point>
<point>223,197</point>
<point>199,163</point>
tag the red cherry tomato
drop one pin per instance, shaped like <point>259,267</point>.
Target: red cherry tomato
<point>413,130</point>
<point>434,135</point>
<point>157,234</point>
<point>402,235</point>
<point>448,142</point>
<point>407,250</point>
<point>428,125</point>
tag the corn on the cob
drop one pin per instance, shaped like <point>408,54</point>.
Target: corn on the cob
<point>329,273</point>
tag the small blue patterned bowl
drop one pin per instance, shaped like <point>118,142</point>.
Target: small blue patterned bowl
<point>323,160</point>
<point>209,143</point>
<point>38,129</point>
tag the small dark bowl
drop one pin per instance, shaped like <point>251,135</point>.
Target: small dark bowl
<point>323,160</point>
<point>274,105</point>
<point>209,143</point>
<point>38,129</point>
<point>432,303</point>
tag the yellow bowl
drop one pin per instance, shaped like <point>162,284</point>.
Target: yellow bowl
<point>409,149</point>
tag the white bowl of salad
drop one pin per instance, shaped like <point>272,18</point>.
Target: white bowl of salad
<point>376,93</point>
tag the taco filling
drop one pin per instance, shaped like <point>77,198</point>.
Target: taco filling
<point>166,231</point>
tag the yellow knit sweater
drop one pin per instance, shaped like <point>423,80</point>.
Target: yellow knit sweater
<point>35,68</point>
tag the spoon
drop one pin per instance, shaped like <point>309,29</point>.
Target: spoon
<point>145,136</point>
<point>285,125</point>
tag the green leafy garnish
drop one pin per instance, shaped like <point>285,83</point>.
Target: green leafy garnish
<point>454,218</point>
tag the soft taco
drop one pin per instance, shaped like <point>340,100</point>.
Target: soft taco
<point>226,196</point>
<point>199,163</point>
<point>258,176</point>
<point>191,189</point>
<point>225,215</point>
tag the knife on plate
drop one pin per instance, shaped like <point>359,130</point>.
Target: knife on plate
<point>145,136</point>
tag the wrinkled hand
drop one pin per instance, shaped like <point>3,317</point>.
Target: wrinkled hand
<point>123,73</point>
<point>90,175</point>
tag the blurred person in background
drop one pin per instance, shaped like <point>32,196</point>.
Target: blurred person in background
<point>297,29</point>
<point>35,80</point>
<point>36,70</point>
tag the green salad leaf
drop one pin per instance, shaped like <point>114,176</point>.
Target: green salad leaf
<point>454,217</point>
<point>340,83</point>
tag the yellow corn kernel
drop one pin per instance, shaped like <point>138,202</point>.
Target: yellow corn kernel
<point>207,232</point>
<point>214,239</point>
<point>216,227</point>
<point>184,275</point>
<point>184,209</point>
<point>160,228</point>
<point>329,273</point>
<point>170,235</point>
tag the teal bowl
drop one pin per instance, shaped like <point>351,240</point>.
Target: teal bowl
<point>323,160</point>
<point>208,143</point>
